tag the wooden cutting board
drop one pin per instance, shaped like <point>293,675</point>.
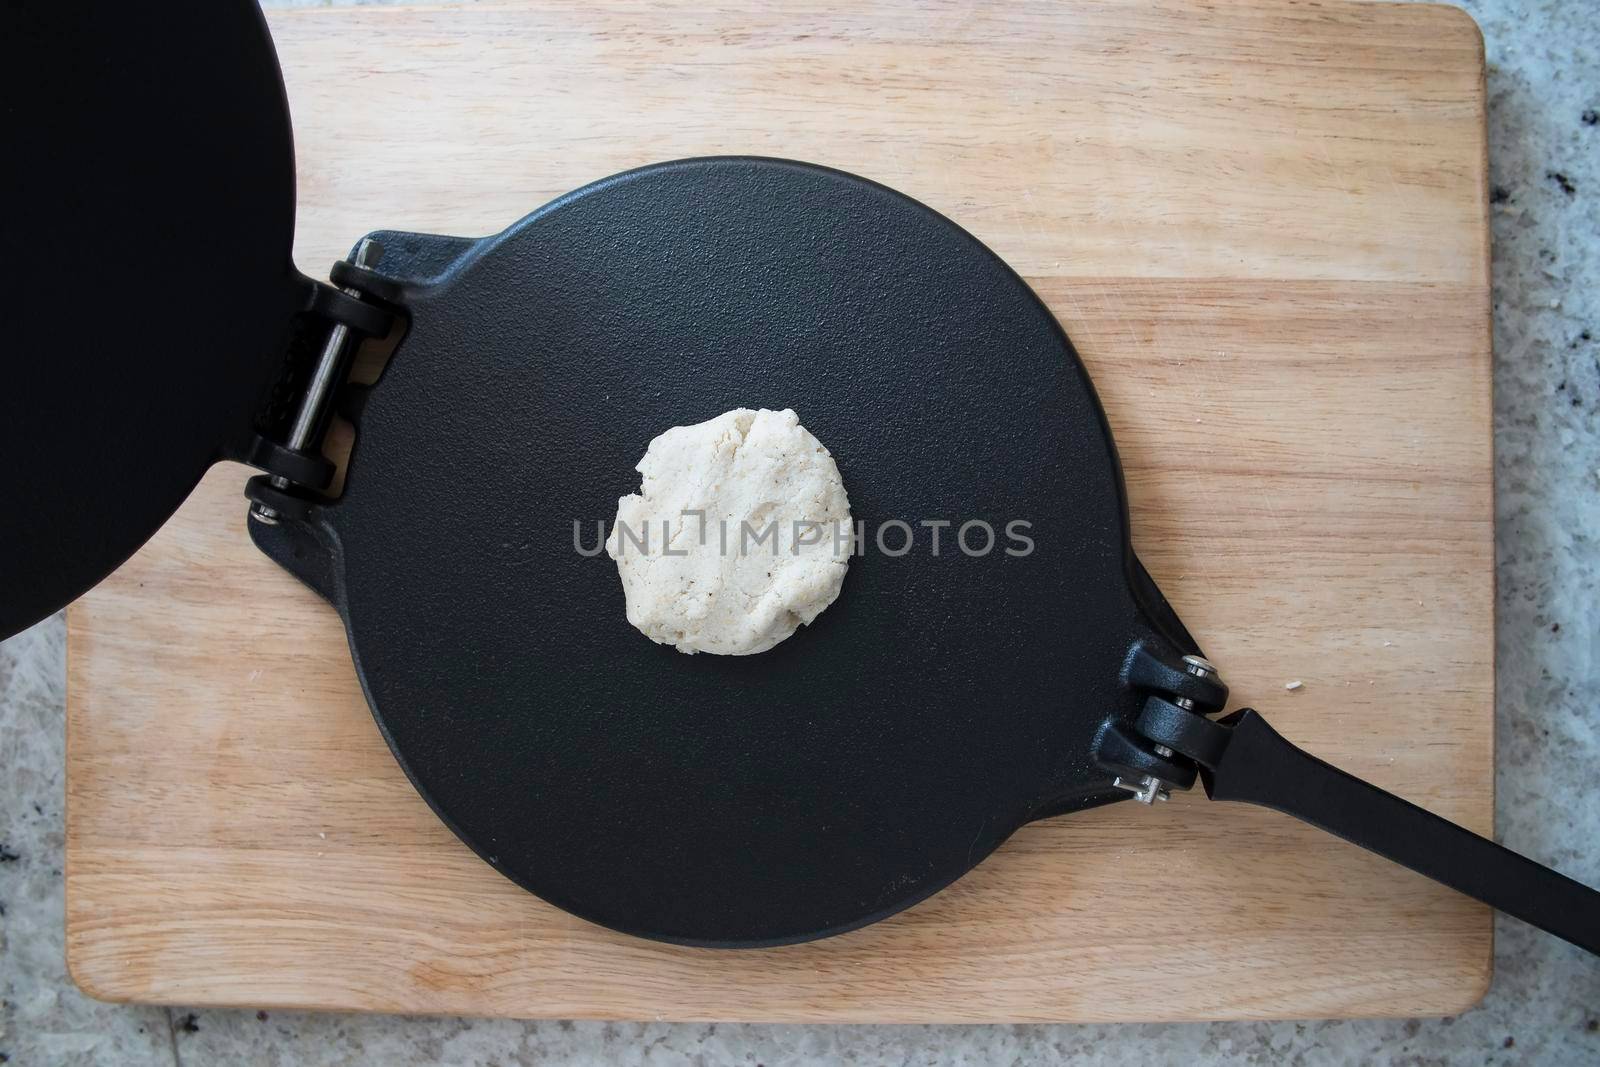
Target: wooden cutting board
<point>1263,223</point>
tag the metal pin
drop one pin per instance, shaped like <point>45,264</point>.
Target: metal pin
<point>1200,667</point>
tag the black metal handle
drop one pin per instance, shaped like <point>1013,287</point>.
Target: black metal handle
<point>1257,766</point>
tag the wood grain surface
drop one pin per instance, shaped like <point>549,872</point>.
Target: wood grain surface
<point>1264,225</point>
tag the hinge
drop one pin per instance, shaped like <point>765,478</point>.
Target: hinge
<point>288,441</point>
<point>1242,758</point>
<point>1164,746</point>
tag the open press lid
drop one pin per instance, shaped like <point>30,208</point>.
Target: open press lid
<point>152,290</point>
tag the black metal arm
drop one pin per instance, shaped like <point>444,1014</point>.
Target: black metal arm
<point>1257,766</point>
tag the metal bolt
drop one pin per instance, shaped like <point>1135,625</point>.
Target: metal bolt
<point>305,419</point>
<point>1200,667</point>
<point>1146,790</point>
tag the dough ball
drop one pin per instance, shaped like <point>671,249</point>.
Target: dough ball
<point>744,576</point>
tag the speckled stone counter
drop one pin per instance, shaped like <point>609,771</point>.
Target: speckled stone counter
<point>1544,1006</point>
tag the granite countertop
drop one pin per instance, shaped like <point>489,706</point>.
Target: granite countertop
<point>1544,1005</point>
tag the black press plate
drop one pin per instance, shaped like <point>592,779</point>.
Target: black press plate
<point>864,763</point>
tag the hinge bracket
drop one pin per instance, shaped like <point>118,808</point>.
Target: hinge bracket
<point>296,469</point>
<point>1163,748</point>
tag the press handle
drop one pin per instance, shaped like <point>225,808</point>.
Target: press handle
<point>1257,765</point>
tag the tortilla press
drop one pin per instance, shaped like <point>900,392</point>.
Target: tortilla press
<point>942,702</point>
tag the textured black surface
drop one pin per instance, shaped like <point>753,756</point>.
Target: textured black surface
<point>860,765</point>
<point>149,222</point>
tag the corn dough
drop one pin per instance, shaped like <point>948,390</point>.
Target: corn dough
<point>769,553</point>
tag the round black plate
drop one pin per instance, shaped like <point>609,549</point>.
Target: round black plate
<point>939,704</point>
<point>150,290</point>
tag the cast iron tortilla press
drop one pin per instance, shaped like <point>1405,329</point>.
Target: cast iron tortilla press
<point>941,703</point>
